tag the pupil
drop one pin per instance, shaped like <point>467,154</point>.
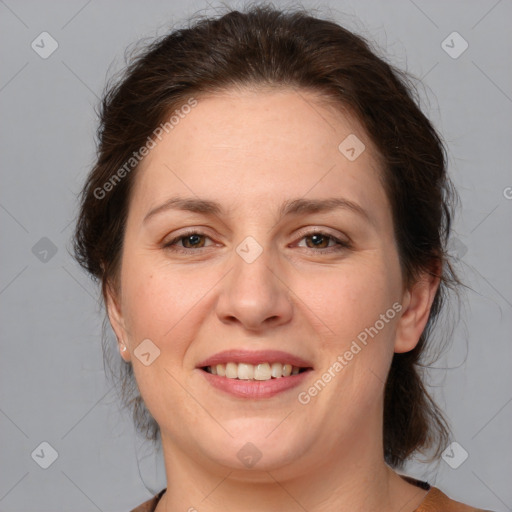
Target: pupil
<point>317,239</point>
<point>192,239</point>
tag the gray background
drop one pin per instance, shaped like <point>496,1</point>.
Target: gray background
<point>52,383</point>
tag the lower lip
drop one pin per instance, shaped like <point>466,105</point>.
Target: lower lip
<point>255,388</point>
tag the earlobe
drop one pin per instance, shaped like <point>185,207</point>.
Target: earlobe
<point>417,303</point>
<point>123,351</point>
<point>116,319</point>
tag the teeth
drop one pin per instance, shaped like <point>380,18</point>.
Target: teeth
<point>245,371</point>
<point>262,372</point>
<point>231,370</point>
<point>277,370</point>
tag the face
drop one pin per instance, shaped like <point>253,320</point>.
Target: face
<point>254,275</point>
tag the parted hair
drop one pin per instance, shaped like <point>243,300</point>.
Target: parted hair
<point>262,46</point>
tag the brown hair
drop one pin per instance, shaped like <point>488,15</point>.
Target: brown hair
<point>263,46</point>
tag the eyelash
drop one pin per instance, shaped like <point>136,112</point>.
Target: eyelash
<point>342,245</point>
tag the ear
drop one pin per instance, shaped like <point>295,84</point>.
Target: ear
<point>416,304</point>
<point>116,319</point>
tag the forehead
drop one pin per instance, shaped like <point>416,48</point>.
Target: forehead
<point>252,147</point>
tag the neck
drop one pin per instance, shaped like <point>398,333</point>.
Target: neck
<point>354,477</point>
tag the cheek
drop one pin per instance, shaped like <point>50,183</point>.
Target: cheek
<point>159,300</point>
<point>350,299</point>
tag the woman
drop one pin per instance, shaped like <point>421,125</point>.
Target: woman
<point>268,218</point>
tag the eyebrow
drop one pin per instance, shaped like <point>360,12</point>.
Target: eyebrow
<point>299,206</point>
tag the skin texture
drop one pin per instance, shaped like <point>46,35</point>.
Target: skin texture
<point>250,150</point>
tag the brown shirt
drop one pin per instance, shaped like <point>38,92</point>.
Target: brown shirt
<point>434,501</point>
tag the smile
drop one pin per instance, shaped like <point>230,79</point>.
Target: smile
<point>260,372</point>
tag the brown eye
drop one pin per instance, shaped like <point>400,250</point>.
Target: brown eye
<point>319,242</point>
<point>189,241</point>
<point>192,241</point>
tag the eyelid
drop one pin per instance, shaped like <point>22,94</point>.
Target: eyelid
<point>196,230</point>
<point>200,230</point>
<point>168,240</point>
<point>309,230</point>
<point>341,243</point>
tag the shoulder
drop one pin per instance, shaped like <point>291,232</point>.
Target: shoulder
<point>150,505</point>
<point>437,501</point>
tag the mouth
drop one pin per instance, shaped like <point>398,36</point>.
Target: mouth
<point>259,372</point>
<point>254,374</point>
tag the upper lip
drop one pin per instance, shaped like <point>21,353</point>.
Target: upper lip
<point>254,357</point>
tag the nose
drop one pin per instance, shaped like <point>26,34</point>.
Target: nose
<point>255,293</point>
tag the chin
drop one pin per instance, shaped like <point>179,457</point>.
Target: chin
<point>257,444</point>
